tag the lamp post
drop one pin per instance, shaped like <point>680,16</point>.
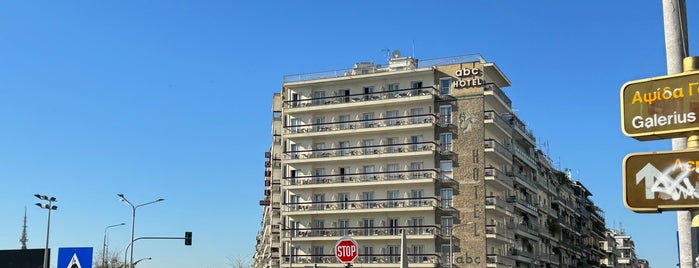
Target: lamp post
<point>48,207</point>
<point>134,264</point>
<point>133,219</point>
<point>451,241</point>
<point>104,243</point>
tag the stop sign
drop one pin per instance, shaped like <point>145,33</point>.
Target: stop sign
<point>346,250</point>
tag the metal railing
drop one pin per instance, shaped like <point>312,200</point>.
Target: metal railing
<point>361,124</point>
<point>361,97</point>
<point>364,177</point>
<point>362,150</point>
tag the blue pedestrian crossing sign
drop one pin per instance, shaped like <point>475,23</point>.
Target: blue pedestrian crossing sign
<point>74,258</point>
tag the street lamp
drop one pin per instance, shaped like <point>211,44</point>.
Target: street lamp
<point>48,207</point>
<point>451,241</point>
<point>104,243</point>
<point>133,218</point>
<point>134,264</point>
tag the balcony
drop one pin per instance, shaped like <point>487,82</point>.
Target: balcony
<point>373,260</point>
<point>383,232</point>
<point>379,205</point>
<point>398,177</point>
<point>521,128</point>
<point>362,126</point>
<point>524,156</point>
<point>497,204</point>
<point>498,177</point>
<point>499,233</point>
<point>361,152</point>
<point>525,180</point>
<point>495,91</point>
<point>492,118</point>
<point>493,146</point>
<point>361,99</point>
<point>523,204</point>
<point>497,261</point>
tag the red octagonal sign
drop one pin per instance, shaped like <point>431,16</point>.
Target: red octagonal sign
<point>346,250</point>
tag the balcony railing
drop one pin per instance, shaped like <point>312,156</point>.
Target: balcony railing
<point>362,97</point>
<point>498,147</point>
<point>492,115</point>
<point>362,124</point>
<point>501,231</point>
<point>364,177</point>
<point>497,202</point>
<point>495,259</point>
<point>362,150</point>
<point>498,175</point>
<point>429,230</point>
<point>363,258</point>
<point>523,203</point>
<point>498,92</point>
<point>519,125</point>
<point>525,156</point>
<point>403,203</point>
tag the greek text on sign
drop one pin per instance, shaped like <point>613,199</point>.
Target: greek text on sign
<point>660,107</point>
<point>661,181</point>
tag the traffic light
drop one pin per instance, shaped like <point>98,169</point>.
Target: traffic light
<point>187,238</point>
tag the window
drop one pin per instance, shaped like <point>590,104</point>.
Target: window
<point>319,201</point>
<point>417,251</point>
<point>319,175</point>
<point>392,141</point>
<point>446,254</point>
<point>445,142</point>
<point>318,97</point>
<point>368,198</point>
<point>343,225</point>
<point>368,253</point>
<point>317,254</point>
<point>368,226</point>
<point>392,197</point>
<point>415,85</point>
<point>344,145</point>
<point>393,87</point>
<point>445,114</point>
<point>393,254</point>
<point>447,223</point>
<point>368,170</point>
<point>391,118</point>
<point>416,225</point>
<point>445,86</point>
<point>344,200</point>
<point>294,125</point>
<point>368,93</point>
<point>294,201</point>
<point>343,95</point>
<point>392,170</point>
<point>446,168</point>
<point>415,168</point>
<point>343,119</point>
<point>415,114</point>
<point>416,196</point>
<point>447,195</point>
<point>415,143</point>
<point>368,120</point>
<point>318,227</point>
<point>320,124</point>
<point>294,148</point>
<point>369,146</point>
<point>393,224</point>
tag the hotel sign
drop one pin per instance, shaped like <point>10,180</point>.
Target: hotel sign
<point>660,107</point>
<point>661,181</point>
<point>467,77</point>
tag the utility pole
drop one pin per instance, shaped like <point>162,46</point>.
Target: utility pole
<point>676,49</point>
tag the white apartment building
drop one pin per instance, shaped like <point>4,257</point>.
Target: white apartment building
<point>431,148</point>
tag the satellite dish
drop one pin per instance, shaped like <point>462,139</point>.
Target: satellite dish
<point>396,54</point>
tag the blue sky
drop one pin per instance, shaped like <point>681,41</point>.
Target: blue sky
<point>172,99</point>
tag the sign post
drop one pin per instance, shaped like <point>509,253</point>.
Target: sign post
<point>346,250</point>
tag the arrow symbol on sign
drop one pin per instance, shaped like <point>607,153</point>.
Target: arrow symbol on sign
<point>649,173</point>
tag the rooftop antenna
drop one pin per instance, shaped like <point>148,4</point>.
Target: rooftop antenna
<point>23,240</point>
<point>387,51</point>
